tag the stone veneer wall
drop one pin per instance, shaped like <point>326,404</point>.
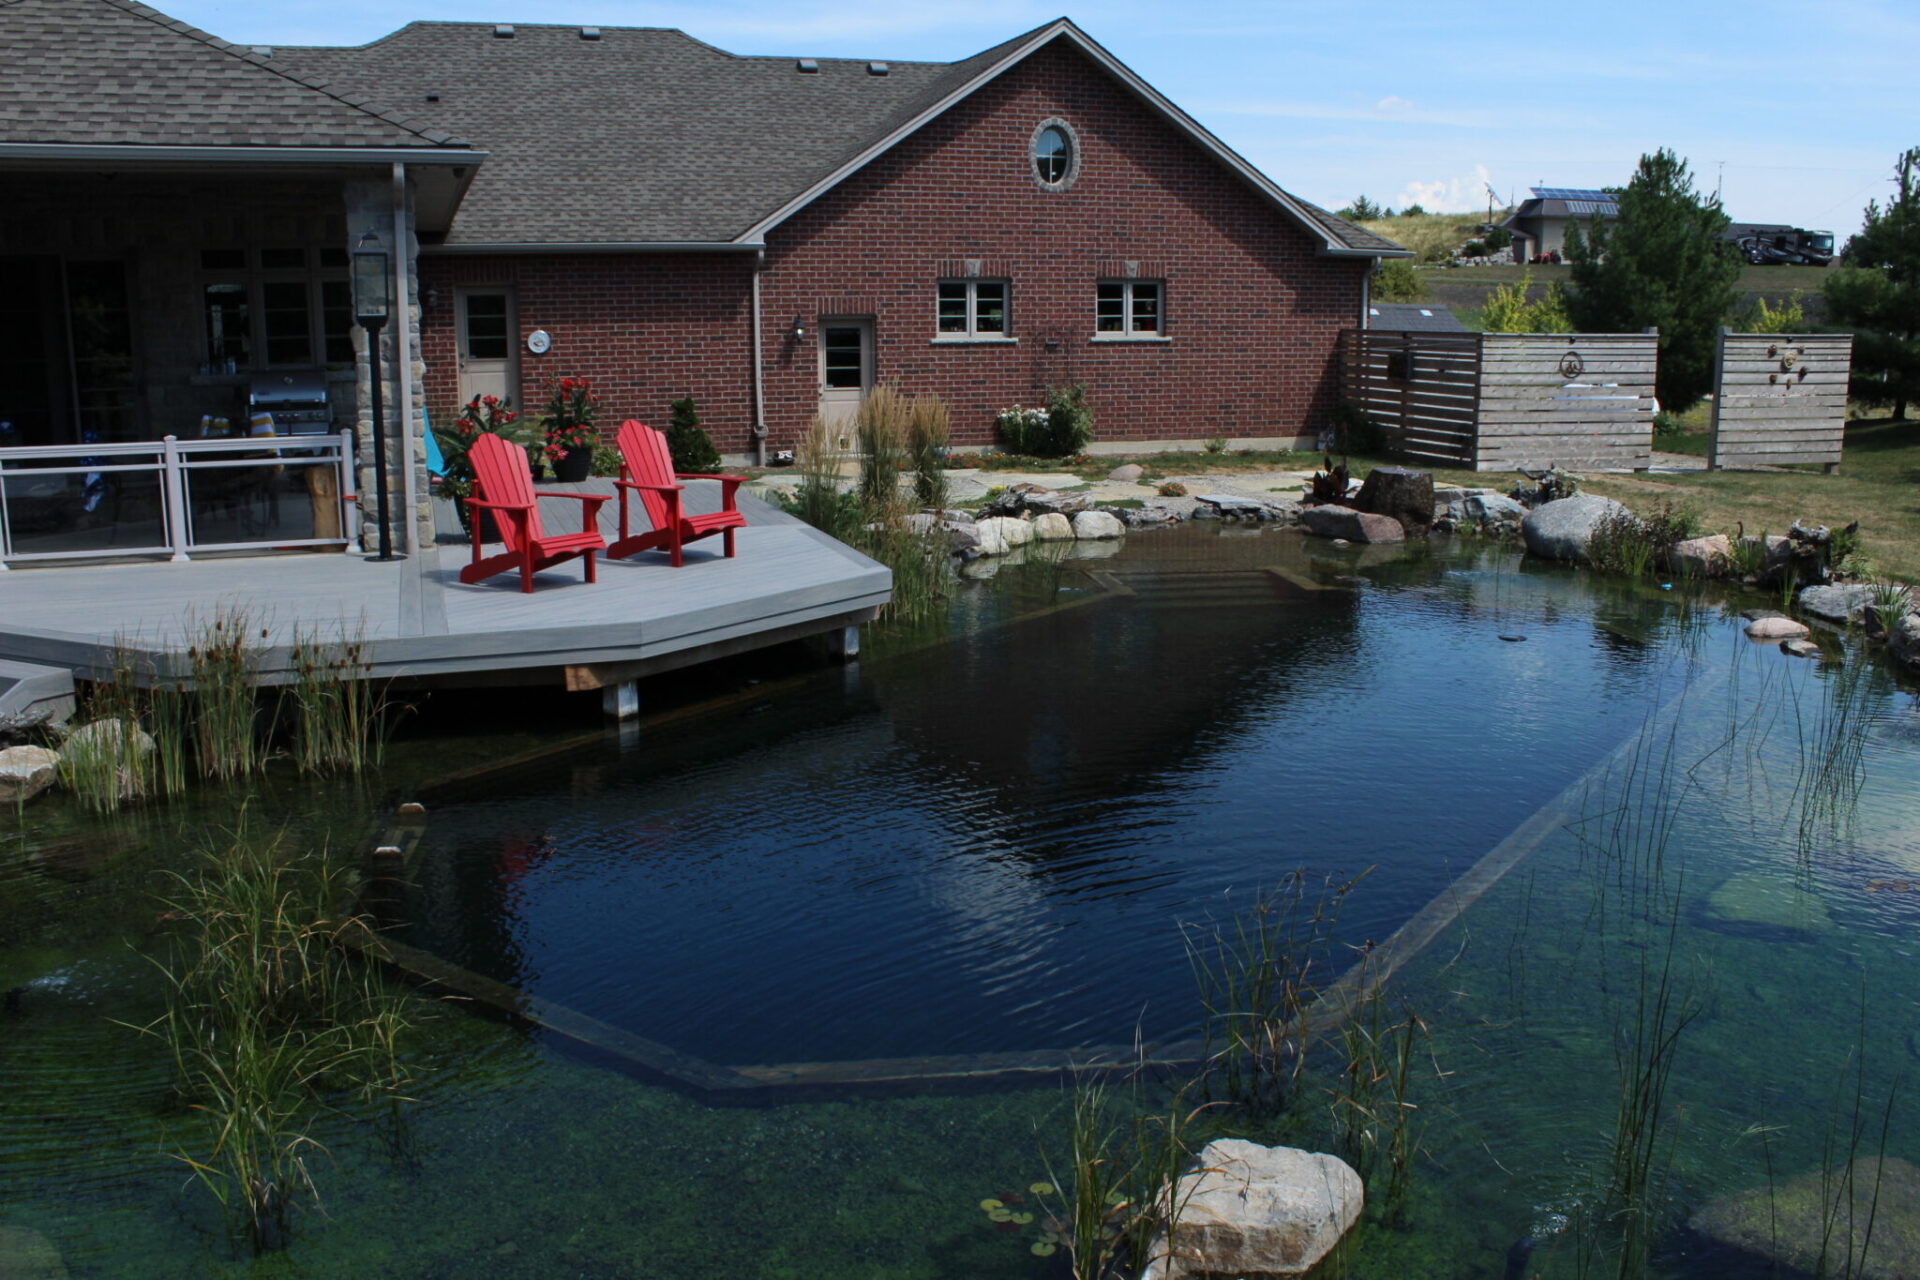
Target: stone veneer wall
<point>369,207</point>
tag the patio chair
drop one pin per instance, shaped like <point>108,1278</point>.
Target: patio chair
<point>646,468</point>
<point>505,482</point>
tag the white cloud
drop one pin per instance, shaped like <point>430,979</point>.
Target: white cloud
<point>1449,195</point>
<point>1393,104</point>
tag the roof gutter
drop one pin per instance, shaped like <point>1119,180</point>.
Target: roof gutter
<point>591,246</point>
<point>135,153</point>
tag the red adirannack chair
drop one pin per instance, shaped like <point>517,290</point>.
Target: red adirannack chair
<point>505,482</point>
<point>646,468</point>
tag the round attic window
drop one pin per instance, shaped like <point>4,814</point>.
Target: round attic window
<point>1056,155</point>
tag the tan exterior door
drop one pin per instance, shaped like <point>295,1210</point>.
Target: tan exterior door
<point>488,343</point>
<point>846,367</point>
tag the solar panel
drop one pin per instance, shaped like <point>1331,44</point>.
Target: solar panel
<point>1572,193</point>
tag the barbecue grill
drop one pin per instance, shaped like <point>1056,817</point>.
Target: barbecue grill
<point>297,399</point>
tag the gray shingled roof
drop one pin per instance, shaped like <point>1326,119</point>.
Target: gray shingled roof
<point>647,135</point>
<point>113,72</point>
<point>1414,317</point>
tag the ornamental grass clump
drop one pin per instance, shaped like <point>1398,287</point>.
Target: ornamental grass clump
<point>929,427</point>
<point>270,1023</point>
<point>338,712</point>
<point>881,429</point>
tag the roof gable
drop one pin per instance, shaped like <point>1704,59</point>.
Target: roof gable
<point>117,73</point>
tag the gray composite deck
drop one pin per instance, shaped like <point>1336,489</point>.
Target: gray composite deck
<point>418,620</point>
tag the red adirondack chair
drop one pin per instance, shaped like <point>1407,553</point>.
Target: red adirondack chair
<point>505,482</point>
<point>646,468</point>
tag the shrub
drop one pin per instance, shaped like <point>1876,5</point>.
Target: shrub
<point>1022,430</point>
<point>1357,430</point>
<point>1789,317</point>
<point>1398,280</point>
<point>1474,249</point>
<point>1498,238</point>
<point>691,447</point>
<point>1172,489</point>
<point>1060,430</point>
<point>1508,309</point>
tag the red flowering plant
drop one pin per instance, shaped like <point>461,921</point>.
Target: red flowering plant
<point>569,419</point>
<point>482,415</point>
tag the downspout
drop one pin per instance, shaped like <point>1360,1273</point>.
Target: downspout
<point>759,396</point>
<point>403,353</point>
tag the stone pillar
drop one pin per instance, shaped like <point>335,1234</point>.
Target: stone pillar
<point>369,205</point>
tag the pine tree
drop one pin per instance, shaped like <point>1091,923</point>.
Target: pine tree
<point>691,447</point>
<point>1661,263</point>
<point>1877,294</point>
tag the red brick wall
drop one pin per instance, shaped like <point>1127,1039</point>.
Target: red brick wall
<point>1252,310</point>
<point>647,328</point>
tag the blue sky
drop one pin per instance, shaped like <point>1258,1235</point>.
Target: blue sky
<point>1796,109</point>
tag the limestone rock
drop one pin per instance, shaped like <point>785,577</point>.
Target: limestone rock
<point>1708,557</point>
<point>25,772</point>
<point>1234,506</point>
<point>1249,1209</point>
<point>1000,534</point>
<point>28,1255</point>
<point>1052,527</point>
<point>1097,524</point>
<point>105,735</point>
<point>1776,629</point>
<point>1800,648</point>
<point>1561,529</point>
<point>1491,507</point>
<point>1905,640</point>
<point>1032,499</point>
<point>1129,474</point>
<point>1837,603</point>
<point>1354,526</point>
<point>1787,1224</point>
<point>1400,492</point>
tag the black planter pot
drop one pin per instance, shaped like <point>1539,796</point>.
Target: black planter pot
<point>573,466</point>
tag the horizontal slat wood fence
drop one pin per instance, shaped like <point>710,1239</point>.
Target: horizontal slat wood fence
<point>1779,398</point>
<point>1499,401</point>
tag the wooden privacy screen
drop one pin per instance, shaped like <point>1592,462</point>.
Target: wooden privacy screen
<point>1498,401</point>
<point>1779,397</point>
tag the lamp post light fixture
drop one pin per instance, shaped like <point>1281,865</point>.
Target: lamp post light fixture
<point>372,299</point>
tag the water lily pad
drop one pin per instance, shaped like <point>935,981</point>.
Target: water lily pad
<point>1044,1248</point>
<point>990,1204</point>
<point>1050,1237</point>
<point>1023,1218</point>
<point>1044,1189</point>
<point>1000,1215</point>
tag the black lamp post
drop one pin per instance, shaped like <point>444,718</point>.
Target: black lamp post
<point>372,298</point>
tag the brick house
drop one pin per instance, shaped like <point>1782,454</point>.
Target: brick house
<point>773,236</point>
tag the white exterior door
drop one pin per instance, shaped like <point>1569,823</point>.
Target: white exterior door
<point>488,345</point>
<point>846,367</point>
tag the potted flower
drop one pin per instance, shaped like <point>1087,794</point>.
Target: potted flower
<point>569,426</point>
<point>482,415</point>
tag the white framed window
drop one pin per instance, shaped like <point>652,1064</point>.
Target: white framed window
<point>972,309</point>
<point>1129,309</point>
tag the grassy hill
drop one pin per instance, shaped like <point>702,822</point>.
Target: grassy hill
<point>1431,236</point>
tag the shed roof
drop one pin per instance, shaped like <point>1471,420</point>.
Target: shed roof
<point>107,73</point>
<point>1413,317</point>
<point>647,136</point>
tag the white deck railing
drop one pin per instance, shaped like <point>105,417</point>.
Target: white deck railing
<point>174,497</point>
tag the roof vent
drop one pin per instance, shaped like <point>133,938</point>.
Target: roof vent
<point>503,32</point>
<point>433,97</point>
<point>262,51</point>
<point>878,68</point>
<point>589,33</point>
<point>810,65</point>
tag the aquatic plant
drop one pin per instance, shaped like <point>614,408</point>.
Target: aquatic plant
<point>269,1022</point>
<point>337,708</point>
<point>1101,1171</point>
<point>1257,979</point>
<point>1891,603</point>
<point>1370,1099</point>
<point>227,712</point>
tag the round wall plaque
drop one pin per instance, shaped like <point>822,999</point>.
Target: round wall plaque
<point>539,342</point>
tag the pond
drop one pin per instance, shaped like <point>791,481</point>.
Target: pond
<point>986,848</point>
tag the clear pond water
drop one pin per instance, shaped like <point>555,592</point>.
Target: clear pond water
<point>987,842</point>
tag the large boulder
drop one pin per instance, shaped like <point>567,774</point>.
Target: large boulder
<point>1871,1218</point>
<point>1491,507</point>
<point>1000,534</point>
<point>1837,603</point>
<point>1327,521</point>
<point>1561,529</point>
<point>1097,524</point>
<point>1776,628</point>
<point>1400,492</point>
<point>106,735</point>
<point>1052,527</point>
<point>1128,474</point>
<point>1033,499</point>
<point>1270,1211</point>
<point>1905,640</point>
<point>25,772</point>
<point>1708,557</point>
